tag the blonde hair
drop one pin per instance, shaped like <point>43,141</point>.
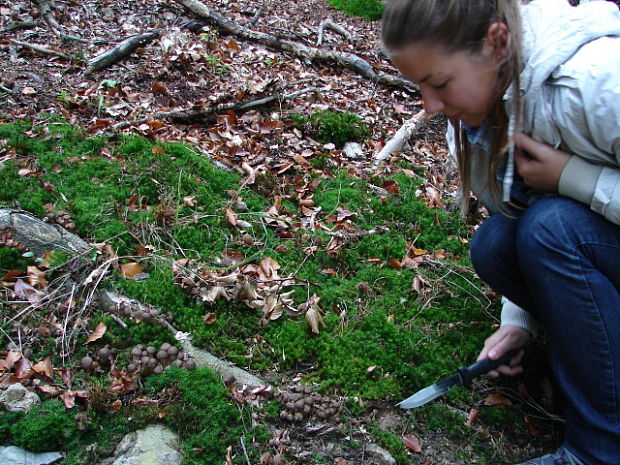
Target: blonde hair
<point>461,26</point>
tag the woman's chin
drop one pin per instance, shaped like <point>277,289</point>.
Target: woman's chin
<point>469,120</point>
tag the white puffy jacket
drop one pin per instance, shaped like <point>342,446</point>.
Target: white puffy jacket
<point>570,97</point>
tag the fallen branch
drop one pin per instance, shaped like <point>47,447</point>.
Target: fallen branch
<point>357,235</point>
<point>349,60</point>
<point>328,24</point>
<point>120,51</point>
<point>5,89</point>
<point>406,132</point>
<point>20,25</point>
<point>41,49</point>
<point>199,113</point>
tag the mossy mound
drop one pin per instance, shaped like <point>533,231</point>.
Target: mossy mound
<point>401,307</point>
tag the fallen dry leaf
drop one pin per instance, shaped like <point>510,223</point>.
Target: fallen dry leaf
<point>313,315</point>
<point>210,318</point>
<point>530,426</point>
<point>412,443</point>
<point>36,277</point>
<point>97,333</point>
<point>129,270</point>
<point>497,400</point>
<point>472,417</point>
<point>44,369</point>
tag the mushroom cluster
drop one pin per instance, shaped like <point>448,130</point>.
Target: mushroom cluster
<point>150,360</point>
<point>102,357</point>
<point>142,312</point>
<point>302,403</point>
<point>61,218</point>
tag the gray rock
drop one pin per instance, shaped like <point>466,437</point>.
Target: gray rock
<point>154,445</point>
<point>17,398</point>
<point>38,236</point>
<point>16,456</point>
<point>380,454</point>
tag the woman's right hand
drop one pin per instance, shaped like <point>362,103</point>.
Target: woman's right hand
<point>504,339</point>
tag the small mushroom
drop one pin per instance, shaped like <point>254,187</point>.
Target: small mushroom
<point>190,364</point>
<point>136,353</point>
<point>104,354</point>
<point>86,362</point>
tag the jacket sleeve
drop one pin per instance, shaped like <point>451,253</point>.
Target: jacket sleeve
<point>513,315</point>
<point>586,108</point>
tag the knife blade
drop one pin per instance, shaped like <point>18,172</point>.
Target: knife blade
<point>463,377</point>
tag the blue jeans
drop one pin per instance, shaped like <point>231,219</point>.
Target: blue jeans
<point>561,261</point>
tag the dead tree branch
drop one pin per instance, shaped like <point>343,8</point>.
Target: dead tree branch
<point>41,49</point>
<point>406,132</point>
<point>20,25</point>
<point>199,113</point>
<point>349,60</point>
<point>120,51</point>
<point>329,24</point>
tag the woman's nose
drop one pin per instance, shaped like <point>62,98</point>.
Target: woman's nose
<point>432,103</point>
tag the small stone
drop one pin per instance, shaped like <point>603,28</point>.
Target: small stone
<point>17,398</point>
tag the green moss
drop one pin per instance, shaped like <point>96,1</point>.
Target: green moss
<point>392,443</point>
<point>204,417</point>
<point>331,126</point>
<point>46,427</point>
<point>368,9</point>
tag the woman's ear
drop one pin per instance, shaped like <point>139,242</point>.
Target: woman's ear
<point>496,41</point>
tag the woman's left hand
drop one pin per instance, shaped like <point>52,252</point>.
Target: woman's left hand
<point>540,165</point>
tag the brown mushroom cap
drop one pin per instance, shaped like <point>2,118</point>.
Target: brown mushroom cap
<point>86,362</point>
<point>104,353</point>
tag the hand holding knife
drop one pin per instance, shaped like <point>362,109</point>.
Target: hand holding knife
<point>463,377</point>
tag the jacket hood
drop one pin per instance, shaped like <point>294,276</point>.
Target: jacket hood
<point>552,32</point>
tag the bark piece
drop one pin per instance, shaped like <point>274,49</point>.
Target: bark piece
<point>406,132</point>
<point>329,24</point>
<point>120,51</point>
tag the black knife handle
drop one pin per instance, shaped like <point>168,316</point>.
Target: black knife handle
<point>483,366</point>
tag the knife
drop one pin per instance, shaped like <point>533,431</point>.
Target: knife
<point>463,377</point>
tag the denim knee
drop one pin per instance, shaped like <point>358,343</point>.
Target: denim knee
<point>547,225</point>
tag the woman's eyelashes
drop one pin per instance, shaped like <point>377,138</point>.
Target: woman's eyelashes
<point>440,86</point>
